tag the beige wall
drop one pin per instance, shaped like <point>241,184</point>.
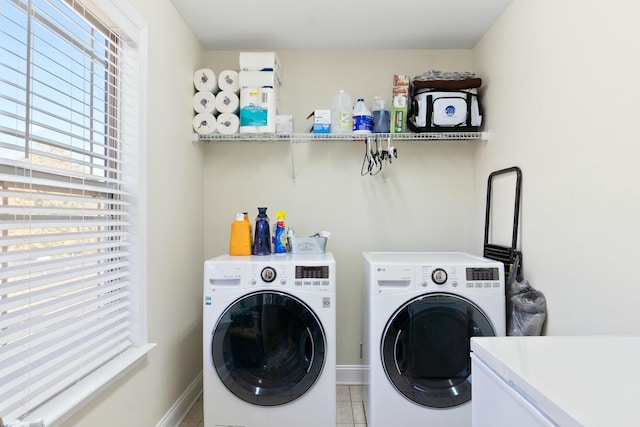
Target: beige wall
<point>175,223</point>
<point>562,104</point>
<point>425,202</point>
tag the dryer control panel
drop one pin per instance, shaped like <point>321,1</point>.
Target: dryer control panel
<point>459,276</point>
<point>398,272</point>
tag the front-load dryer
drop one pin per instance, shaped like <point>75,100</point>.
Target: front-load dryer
<point>420,311</point>
<point>269,341</point>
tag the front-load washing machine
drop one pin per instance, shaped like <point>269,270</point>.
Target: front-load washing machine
<point>420,310</point>
<point>269,341</point>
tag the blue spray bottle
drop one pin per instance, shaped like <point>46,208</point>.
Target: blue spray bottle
<point>280,240</point>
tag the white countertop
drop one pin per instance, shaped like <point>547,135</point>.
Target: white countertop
<point>579,380</point>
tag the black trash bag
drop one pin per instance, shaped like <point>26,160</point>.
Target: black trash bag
<point>526,308</point>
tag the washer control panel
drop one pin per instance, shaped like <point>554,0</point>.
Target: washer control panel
<point>309,272</point>
<point>287,274</point>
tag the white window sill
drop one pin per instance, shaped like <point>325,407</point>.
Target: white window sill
<point>63,406</point>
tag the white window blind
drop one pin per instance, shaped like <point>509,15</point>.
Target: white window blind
<point>68,250</point>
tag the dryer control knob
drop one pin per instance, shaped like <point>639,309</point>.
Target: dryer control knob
<point>268,274</point>
<point>439,276</point>
<point>424,284</point>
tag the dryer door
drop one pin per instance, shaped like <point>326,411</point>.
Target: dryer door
<point>268,348</point>
<point>426,348</point>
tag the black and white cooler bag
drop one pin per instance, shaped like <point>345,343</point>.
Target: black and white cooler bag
<point>433,110</point>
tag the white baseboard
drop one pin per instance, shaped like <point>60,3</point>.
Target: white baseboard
<point>349,374</point>
<point>184,403</point>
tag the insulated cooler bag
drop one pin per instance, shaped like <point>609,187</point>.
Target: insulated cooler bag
<point>437,109</point>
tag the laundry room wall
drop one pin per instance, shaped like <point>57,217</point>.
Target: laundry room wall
<point>425,202</point>
<point>561,103</point>
<point>174,258</point>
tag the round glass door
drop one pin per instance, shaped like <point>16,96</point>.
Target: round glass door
<point>268,348</point>
<point>426,345</point>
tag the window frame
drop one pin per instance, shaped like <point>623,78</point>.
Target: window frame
<point>131,29</point>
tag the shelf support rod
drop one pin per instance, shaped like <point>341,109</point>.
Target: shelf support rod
<point>293,164</point>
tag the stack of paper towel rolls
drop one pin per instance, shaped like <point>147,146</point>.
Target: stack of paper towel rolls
<point>259,78</point>
<point>216,102</point>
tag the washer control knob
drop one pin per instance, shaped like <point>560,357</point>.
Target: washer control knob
<point>424,284</point>
<point>268,274</point>
<point>253,281</point>
<point>283,282</point>
<point>439,276</point>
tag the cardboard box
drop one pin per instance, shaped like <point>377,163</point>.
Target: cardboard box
<point>322,121</point>
<point>399,103</point>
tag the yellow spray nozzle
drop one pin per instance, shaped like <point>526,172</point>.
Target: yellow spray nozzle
<point>281,215</point>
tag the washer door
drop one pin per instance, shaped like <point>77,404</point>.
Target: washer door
<point>426,348</point>
<point>268,348</point>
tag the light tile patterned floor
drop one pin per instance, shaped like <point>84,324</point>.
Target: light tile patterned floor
<point>348,402</point>
<point>349,406</point>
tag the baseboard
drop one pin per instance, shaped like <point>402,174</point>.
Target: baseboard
<point>349,374</point>
<point>184,403</point>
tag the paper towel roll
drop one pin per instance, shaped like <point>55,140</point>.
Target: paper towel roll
<point>248,129</point>
<point>228,80</point>
<point>249,95</point>
<point>204,102</point>
<point>260,61</point>
<point>251,113</point>
<point>204,123</point>
<point>228,123</point>
<point>257,110</point>
<point>258,79</point>
<point>205,80</point>
<point>268,101</point>
<point>227,102</point>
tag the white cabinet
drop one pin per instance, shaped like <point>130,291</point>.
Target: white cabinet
<point>566,381</point>
<point>497,404</point>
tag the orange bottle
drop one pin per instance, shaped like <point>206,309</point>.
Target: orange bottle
<point>240,242</point>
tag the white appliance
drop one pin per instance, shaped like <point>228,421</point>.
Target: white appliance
<point>556,381</point>
<point>420,311</point>
<point>269,341</point>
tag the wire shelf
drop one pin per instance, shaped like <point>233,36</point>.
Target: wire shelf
<point>334,137</point>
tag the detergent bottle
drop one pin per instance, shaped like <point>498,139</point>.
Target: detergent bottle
<point>362,118</point>
<point>280,240</point>
<point>240,242</point>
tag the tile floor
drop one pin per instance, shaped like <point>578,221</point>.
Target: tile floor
<point>349,407</point>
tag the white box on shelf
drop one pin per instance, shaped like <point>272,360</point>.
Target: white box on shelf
<point>321,121</point>
<point>284,124</point>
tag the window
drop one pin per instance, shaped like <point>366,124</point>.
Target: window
<point>71,270</point>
